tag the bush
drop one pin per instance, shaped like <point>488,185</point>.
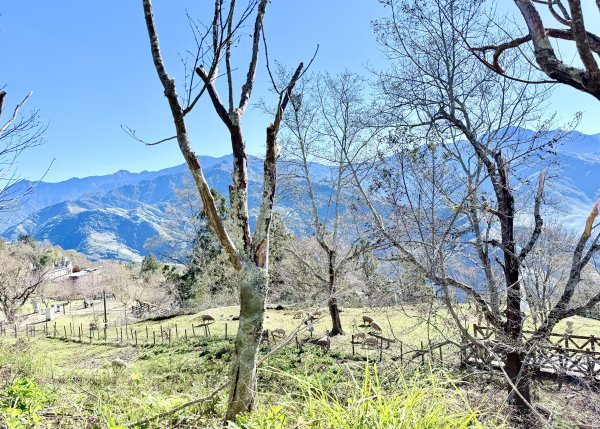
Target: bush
<point>419,402</point>
<point>21,403</point>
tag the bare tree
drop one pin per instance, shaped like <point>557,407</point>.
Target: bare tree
<point>584,75</point>
<point>20,277</point>
<point>546,269</point>
<point>18,133</point>
<point>250,258</point>
<point>327,121</point>
<point>452,189</point>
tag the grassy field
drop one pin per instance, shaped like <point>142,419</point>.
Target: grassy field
<point>72,384</point>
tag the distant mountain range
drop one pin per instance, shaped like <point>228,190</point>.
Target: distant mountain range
<point>113,216</point>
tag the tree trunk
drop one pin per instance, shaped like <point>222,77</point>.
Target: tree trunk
<point>336,323</point>
<point>516,369</point>
<point>334,311</point>
<point>514,361</point>
<point>253,290</point>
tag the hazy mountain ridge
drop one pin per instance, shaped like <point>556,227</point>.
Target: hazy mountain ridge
<point>113,216</point>
<point>116,221</point>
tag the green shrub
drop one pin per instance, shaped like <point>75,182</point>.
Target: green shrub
<point>21,403</point>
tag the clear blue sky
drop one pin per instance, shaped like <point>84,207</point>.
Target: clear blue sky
<point>89,67</point>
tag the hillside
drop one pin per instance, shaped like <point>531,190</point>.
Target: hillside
<point>112,216</point>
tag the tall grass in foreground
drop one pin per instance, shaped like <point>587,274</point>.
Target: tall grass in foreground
<point>422,401</point>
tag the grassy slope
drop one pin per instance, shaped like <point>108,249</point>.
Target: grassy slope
<point>86,390</point>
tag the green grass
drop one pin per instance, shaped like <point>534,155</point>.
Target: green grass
<point>366,400</point>
<point>82,388</point>
<point>308,388</point>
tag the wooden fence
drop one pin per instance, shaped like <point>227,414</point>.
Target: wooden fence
<point>422,353</point>
<point>123,335</point>
<point>561,354</point>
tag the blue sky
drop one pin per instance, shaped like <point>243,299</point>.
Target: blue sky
<point>89,67</point>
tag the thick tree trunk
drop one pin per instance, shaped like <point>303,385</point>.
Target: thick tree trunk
<point>334,311</point>
<point>336,323</point>
<point>516,370</point>
<point>253,290</point>
<point>514,361</point>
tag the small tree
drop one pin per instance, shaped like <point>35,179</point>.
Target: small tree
<point>150,264</point>
<point>328,120</point>
<point>249,255</point>
<point>21,275</point>
<point>199,264</point>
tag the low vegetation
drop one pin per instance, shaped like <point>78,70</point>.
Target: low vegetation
<point>58,383</point>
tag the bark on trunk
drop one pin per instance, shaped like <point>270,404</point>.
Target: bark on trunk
<point>516,370</point>
<point>514,360</point>
<point>334,311</point>
<point>253,290</point>
<point>336,323</point>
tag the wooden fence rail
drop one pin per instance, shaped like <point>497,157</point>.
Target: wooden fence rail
<point>561,354</point>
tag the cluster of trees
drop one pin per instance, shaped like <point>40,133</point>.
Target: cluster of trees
<point>24,266</point>
<point>439,178</point>
<point>436,175</point>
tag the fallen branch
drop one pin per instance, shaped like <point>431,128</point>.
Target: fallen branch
<point>178,408</point>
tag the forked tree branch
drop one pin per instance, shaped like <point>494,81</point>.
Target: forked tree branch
<point>539,221</point>
<point>15,112</point>
<point>184,141</point>
<point>270,174</point>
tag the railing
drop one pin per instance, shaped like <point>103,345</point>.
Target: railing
<point>561,354</point>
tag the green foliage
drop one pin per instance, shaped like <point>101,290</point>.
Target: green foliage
<point>150,264</point>
<point>208,270</point>
<point>21,403</point>
<point>26,239</point>
<point>50,257</point>
<point>367,401</point>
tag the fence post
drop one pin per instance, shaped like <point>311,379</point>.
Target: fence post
<point>176,332</point>
<point>185,333</point>
<point>15,330</point>
<point>136,338</point>
<point>380,349</point>
<point>225,330</point>
<point>65,328</point>
<point>154,337</point>
<point>422,354</point>
<point>193,331</point>
<point>401,354</point>
<point>146,332</point>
